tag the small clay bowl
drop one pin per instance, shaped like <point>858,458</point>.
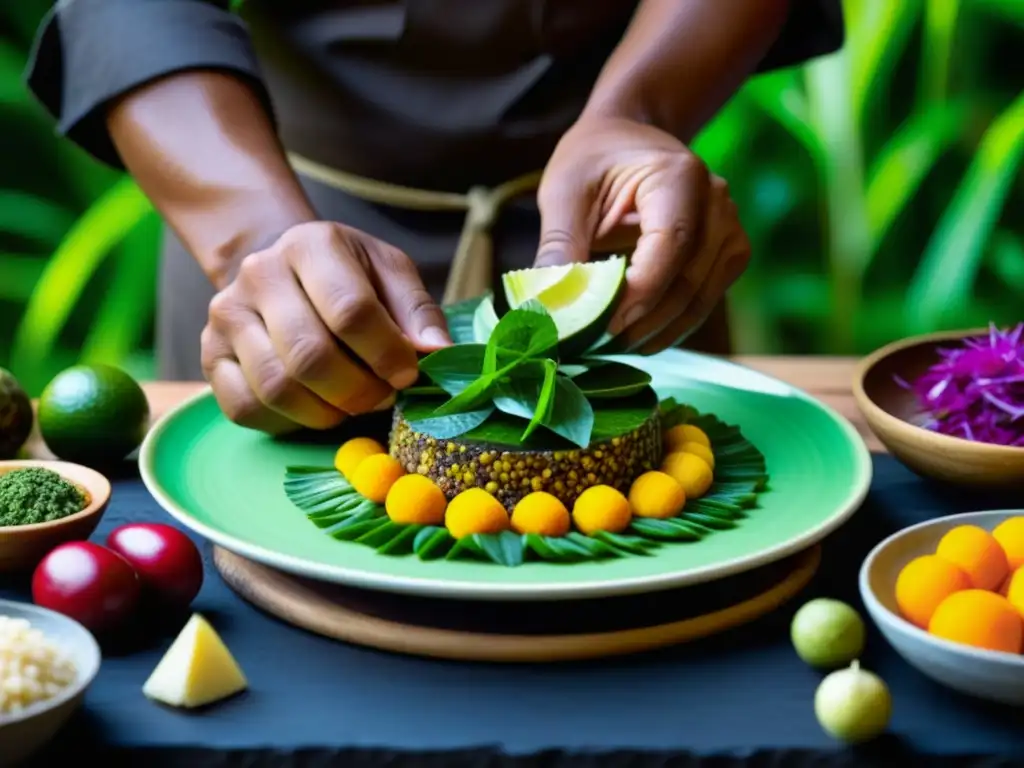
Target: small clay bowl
<point>23,546</point>
<point>891,411</point>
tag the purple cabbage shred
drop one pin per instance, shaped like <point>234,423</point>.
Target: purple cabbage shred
<point>976,391</point>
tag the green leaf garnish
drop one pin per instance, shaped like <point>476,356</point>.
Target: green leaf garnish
<point>529,393</point>
<point>432,543</point>
<point>507,369</point>
<point>505,548</point>
<point>453,424</point>
<point>572,416</point>
<point>608,379</point>
<point>460,317</point>
<point>570,370</point>
<point>522,334</point>
<point>485,320</point>
<point>475,397</point>
<point>455,368</point>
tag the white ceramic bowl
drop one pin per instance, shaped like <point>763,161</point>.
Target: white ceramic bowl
<point>988,675</point>
<point>23,734</point>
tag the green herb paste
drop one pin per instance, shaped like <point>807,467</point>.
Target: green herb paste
<point>37,495</point>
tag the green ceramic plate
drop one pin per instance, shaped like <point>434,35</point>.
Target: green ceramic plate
<point>225,483</point>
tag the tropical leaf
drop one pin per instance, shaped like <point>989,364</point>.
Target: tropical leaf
<point>832,113</point>
<point>905,161</point>
<point>12,89</point>
<point>722,139</point>
<point>1008,259</point>
<point>22,18</point>
<point>119,326</point>
<point>877,33</point>
<point>944,280</point>
<point>69,270</point>
<point>939,31</point>
<point>33,218</point>
<point>1010,10</point>
<point>782,96</point>
<point>19,272</point>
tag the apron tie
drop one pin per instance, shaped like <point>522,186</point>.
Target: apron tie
<point>472,268</point>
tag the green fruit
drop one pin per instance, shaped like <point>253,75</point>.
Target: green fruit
<point>581,298</point>
<point>15,415</point>
<point>93,414</point>
<point>827,633</point>
<point>852,704</point>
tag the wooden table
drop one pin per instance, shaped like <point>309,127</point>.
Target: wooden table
<point>827,379</point>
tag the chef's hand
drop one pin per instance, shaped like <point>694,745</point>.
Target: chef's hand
<point>613,184</point>
<point>324,323</point>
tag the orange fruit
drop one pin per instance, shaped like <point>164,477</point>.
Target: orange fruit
<point>352,452</point>
<point>977,552</point>
<point>1014,590</point>
<point>1010,535</point>
<point>657,495</point>
<point>375,475</point>
<point>925,582</point>
<point>1005,586</point>
<point>676,437</point>
<point>980,619</point>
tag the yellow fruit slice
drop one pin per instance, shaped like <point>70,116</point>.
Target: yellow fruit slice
<point>198,669</point>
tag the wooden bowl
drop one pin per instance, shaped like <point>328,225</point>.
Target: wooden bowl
<point>890,411</point>
<point>992,675</point>
<point>28,731</point>
<point>23,546</point>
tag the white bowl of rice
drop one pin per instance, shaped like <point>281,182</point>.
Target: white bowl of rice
<point>47,662</point>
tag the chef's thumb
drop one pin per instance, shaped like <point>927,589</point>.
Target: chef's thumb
<point>565,225</point>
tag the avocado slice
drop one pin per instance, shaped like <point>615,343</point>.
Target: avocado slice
<point>580,298</point>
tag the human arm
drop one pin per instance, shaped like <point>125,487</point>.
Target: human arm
<point>623,175</point>
<point>313,320</point>
<point>291,288</point>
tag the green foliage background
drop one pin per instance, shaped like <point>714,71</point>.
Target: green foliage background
<point>881,186</point>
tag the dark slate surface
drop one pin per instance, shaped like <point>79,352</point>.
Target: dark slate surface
<point>741,696</point>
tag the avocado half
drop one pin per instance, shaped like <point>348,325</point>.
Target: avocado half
<point>510,472</point>
<point>581,299</point>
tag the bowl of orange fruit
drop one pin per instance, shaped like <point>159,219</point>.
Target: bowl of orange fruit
<point>948,595</point>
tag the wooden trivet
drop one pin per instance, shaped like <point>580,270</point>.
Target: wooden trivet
<point>518,631</point>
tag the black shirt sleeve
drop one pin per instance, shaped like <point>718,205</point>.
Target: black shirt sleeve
<point>88,52</point>
<point>814,28</point>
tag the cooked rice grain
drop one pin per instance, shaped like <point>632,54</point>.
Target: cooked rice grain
<point>32,667</point>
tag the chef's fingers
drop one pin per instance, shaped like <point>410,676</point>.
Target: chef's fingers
<point>728,267</point>
<point>231,390</point>
<point>332,266</point>
<point>670,203</point>
<point>719,222</point>
<point>263,369</point>
<point>311,355</point>
<point>620,238</point>
<point>402,290</point>
<point>676,297</point>
<point>568,218</point>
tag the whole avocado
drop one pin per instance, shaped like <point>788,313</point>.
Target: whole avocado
<point>15,415</point>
